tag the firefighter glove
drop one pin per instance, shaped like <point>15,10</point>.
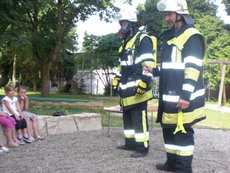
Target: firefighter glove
<point>115,84</point>
<point>141,88</point>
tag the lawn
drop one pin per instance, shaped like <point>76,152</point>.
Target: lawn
<point>215,119</point>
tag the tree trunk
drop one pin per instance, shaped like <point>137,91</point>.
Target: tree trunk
<point>48,65</point>
<point>34,85</point>
<point>14,70</point>
<point>45,80</point>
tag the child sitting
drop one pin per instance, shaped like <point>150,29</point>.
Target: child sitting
<point>8,124</point>
<point>24,105</point>
<point>3,149</point>
<point>10,105</point>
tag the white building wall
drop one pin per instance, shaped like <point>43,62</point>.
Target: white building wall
<point>91,80</point>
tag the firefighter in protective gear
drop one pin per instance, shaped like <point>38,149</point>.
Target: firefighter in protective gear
<point>133,85</point>
<point>181,90</point>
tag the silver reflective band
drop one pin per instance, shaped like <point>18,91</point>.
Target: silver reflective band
<point>170,98</point>
<point>173,55</point>
<point>129,84</point>
<point>129,132</point>
<point>188,87</point>
<point>198,93</point>
<point>145,73</point>
<point>194,60</point>
<point>128,62</point>
<point>179,148</point>
<point>171,65</point>
<point>118,74</point>
<point>142,135</point>
<point>143,57</point>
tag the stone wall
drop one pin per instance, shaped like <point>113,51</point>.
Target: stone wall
<point>49,125</point>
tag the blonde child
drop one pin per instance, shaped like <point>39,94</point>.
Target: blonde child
<point>10,105</point>
<point>8,125</point>
<point>30,117</point>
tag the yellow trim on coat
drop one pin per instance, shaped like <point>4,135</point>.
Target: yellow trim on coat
<point>191,73</point>
<point>137,98</point>
<point>188,117</point>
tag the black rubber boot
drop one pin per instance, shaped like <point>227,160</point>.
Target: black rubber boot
<point>123,147</point>
<point>139,154</point>
<point>165,167</point>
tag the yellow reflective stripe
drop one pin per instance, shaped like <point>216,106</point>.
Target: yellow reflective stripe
<point>130,43</point>
<point>188,117</point>
<point>143,137</point>
<point>129,133</point>
<point>149,63</point>
<point>144,124</point>
<point>142,84</point>
<point>180,148</point>
<point>154,41</point>
<point>182,38</point>
<point>178,56</point>
<point>191,73</point>
<point>137,98</point>
<point>180,153</point>
<point>119,69</point>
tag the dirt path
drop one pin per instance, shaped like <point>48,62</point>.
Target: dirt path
<point>94,152</point>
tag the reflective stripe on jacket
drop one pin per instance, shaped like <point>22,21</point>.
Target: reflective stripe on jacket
<point>132,57</point>
<point>181,77</point>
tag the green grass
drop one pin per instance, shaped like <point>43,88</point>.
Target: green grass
<point>215,119</point>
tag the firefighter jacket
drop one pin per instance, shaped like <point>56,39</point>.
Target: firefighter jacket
<point>133,53</point>
<point>181,69</point>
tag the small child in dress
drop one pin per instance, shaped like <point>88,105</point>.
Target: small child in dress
<point>24,105</point>
<point>8,125</point>
<point>10,105</point>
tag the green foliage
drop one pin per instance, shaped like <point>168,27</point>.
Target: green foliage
<point>42,32</point>
<point>102,51</point>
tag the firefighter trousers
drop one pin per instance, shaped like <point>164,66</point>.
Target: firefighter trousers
<point>179,149</point>
<point>136,131</point>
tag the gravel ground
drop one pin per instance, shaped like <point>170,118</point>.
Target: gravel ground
<point>94,152</point>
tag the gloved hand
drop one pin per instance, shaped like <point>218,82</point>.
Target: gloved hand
<point>115,84</point>
<point>141,88</point>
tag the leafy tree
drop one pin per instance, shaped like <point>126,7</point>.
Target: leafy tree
<point>46,25</point>
<point>101,53</point>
